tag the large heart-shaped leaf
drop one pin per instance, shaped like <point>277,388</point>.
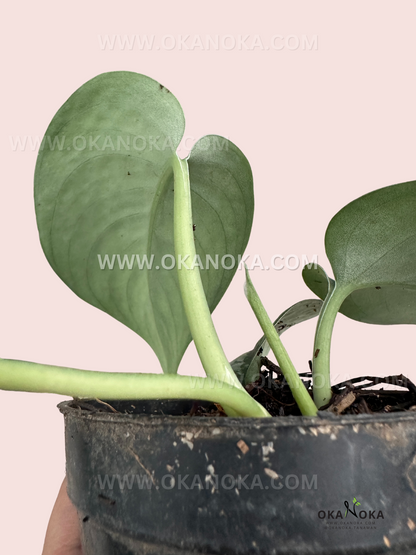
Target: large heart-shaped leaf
<point>104,195</point>
<point>371,244</point>
<point>389,304</point>
<point>247,366</point>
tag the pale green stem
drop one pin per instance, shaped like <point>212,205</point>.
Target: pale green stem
<point>16,375</point>
<point>322,346</point>
<point>198,314</point>
<point>205,337</point>
<point>299,391</point>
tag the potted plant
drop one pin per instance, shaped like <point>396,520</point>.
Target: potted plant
<point>154,241</point>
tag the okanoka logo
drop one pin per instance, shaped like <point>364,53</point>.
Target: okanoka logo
<point>355,503</point>
<point>355,517</point>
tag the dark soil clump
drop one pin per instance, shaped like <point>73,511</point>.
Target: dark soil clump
<point>356,396</point>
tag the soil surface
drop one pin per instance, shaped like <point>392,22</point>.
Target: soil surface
<point>363,395</point>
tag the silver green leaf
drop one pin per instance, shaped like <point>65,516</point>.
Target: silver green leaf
<point>104,199</point>
<point>372,240</point>
<point>387,305</point>
<point>387,222</point>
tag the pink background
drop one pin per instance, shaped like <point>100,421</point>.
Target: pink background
<point>319,126</point>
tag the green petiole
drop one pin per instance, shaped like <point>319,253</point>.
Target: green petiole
<point>321,352</point>
<point>205,337</point>
<point>300,394</point>
<point>16,375</point>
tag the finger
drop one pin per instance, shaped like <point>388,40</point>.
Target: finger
<point>63,534</point>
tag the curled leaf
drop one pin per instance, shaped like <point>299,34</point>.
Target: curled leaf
<point>247,366</point>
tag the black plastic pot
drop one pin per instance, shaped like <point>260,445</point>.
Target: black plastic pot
<point>176,485</point>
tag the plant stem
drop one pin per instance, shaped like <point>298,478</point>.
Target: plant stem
<point>197,311</point>
<point>322,345</point>
<point>299,391</point>
<point>16,375</point>
<point>205,337</point>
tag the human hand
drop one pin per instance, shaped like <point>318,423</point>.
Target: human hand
<point>63,533</point>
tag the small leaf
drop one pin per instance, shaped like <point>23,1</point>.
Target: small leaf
<point>371,244</point>
<point>372,240</point>
<point>109,191</point>
<point>316,279</point>
<point>378,304</point>
<point>247,366</point>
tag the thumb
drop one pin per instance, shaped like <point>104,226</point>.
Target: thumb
<point>63,533</point>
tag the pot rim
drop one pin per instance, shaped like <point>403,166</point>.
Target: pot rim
<point>322,419</point>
